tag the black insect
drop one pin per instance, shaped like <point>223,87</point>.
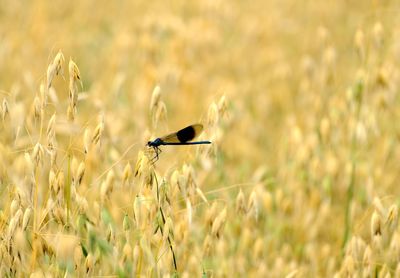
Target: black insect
<point>180,138</point>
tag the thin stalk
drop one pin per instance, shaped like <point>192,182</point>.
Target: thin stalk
<point>35,198</point>
<point>35,216</point>
<point>350,194</point>
<point>68,187</point>
<point>161,228</point>
<point>352,181</point>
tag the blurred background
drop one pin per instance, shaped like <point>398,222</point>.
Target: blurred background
<point>307,94</point>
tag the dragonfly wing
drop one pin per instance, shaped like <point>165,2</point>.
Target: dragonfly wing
<point>184,135</point>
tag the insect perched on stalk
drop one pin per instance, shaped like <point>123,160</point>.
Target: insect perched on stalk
<point>180,138</point>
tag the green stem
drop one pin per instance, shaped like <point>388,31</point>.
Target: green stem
<point>68,187</point>
<point>161,228</point>
<point>350,194</point>
<point>351,187</point>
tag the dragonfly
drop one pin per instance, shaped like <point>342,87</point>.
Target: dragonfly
<point>179,138</point>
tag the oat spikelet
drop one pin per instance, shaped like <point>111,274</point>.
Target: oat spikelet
<point>142,164</point>
<point>28,163</point>
<point>174,179</point>
<point>161,112</point>
<point>136,255</point>
<point>219,223</point>
<point>55,68</point>
<point>98,132</point>
<point>74,79</point>
<point>89,263</point>
<point>53,156</point>
<point>107,186</point>
<point>158,109</point>
<point>37,154</point>
<point>19,216</point>
<point>240,203</point>
<point>376,225</point>
<point>126,223</point>
<point>253,206</point>
<point>201,194</point>
<point>392,218</point>
<point>60,184</point>
<point>211,214</point>
<point>4,109</point>
<point>127,173</point>
<point>207,245</point>
<point>379,206</point>
<point>43,95</point>
<point>80,173</point>
<point>58,62</point>
<point>155,99</point>
<point>87,139</point>
<point>78,255</point>
<point>110,178</point>
<point>127,252</point>
<point>222,106</point>
<point>11,227</point>
<point>37,108</point>
<point>70,113</point>
<point>52,181</point>
<point>110,234</point>
<point>51,132</point>
<point>395,245</point>
<point>74,167</point>
<point>82,203</point>
<point>15,204</point>
<point>348,266</point>
<point>59,215</point>
<point>168,229</point>
<point>27,217</point>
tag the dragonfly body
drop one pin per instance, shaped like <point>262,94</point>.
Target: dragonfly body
<point>180,138</point>
<point>158,142</point>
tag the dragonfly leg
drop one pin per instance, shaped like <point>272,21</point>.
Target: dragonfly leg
<point>157,152</point>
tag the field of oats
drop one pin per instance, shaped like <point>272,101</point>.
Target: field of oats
<point>300,100</point>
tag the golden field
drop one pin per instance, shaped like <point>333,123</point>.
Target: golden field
<point>300,99</point>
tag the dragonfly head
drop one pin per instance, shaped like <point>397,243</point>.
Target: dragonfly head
<point>154,143</point>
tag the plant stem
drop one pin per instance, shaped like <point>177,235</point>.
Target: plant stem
<point>161,228</point>
<point>68,187</point>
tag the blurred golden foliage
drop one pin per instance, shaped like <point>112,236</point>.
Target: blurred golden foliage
<point>300,100</point>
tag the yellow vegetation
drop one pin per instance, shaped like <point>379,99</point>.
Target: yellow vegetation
<point>300,99</point>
